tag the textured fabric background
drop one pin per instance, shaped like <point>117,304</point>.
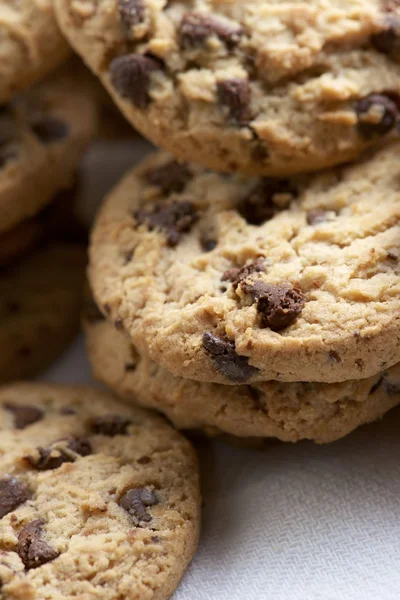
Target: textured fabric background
<point>293,522</point>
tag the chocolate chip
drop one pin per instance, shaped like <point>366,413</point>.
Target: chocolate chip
<point>135,501</point>
<point>196,27</point>
<point>57,454</point>
<point>132,12</point>
<point>388,40</point>
<point>377,115</point>
<point>24,414</point>
<point>235,95</point>
<point>226,360</point>
<point>80,445</point>
<point>208,244</point>
<point>91,311</point>
<point>237,276</point>
<point>131,75</point>
<point>317,216</point>
<point>279,305</point>
<point>111,425</point>
<point>32,549</point>
<point>173,219</point>
<point>13,493</point>
<point>170,177</point>
<point>266,199</point>
<point>50,130</point>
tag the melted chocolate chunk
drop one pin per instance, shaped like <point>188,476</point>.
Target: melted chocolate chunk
<point>111,425</point>
<point>279,305</point>
<point>173,219</point>
<point>50,130</point>
<point>196,27</point>
<point>260,204</point>
<point>24,414</point>
<point>55,455</point>
<point>317,216</point>
<point>377,115</point>
<point>235,95</point>
<point>226,360</point>
<point>388,40</point>
<point>132,12</point>
<point>171,177</point>
<point>131,76</point>
<point>135,501</point>
<point>237,276</point>
<point>13,493</point>
<point>32,549</point>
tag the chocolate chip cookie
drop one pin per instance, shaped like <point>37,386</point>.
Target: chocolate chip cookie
<point>262,87</point>
<point>233,280</point>
<point>40,302</point>
<point>322,412</point>
<point>97,499</point>
<point>43,136</point>
<point>31,44</point>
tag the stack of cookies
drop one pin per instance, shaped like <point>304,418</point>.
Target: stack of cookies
<point>244,280</point>
<point>260,299</point>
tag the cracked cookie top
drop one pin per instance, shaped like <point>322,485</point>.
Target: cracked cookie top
<point>96,498</point>
<point>232,280</point>
<point>264,87</point>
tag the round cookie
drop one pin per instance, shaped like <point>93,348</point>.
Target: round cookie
<point>261,87</point>
<point>232,280</point>
<point>322,412</point>
<point>43,136</point>
<point>40,303</point>
<point>99,500</point>
<point>31,44</point>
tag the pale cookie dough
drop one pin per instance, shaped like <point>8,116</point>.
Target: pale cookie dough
<point>98,500</point>
<point>43,136</point>
<point>40,303</point>
<point>232,280</point>
<point>31,44</point>
<point>323,412</point>
<point>261,86</point>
